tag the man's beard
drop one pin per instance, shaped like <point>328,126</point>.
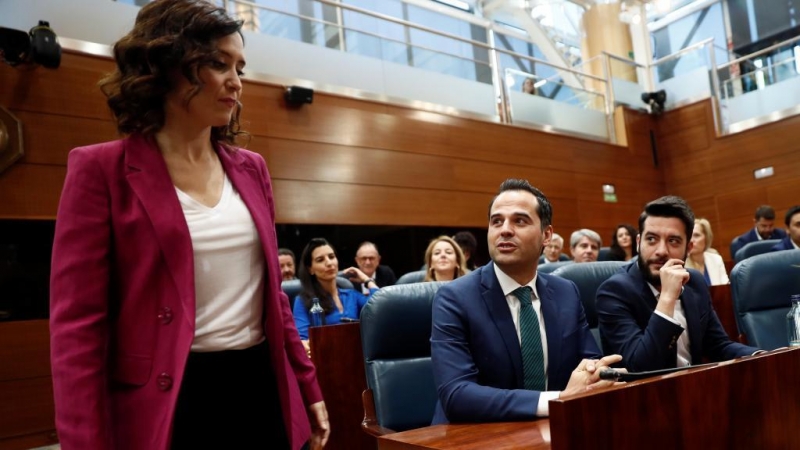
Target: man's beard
<point>655,280</point>
<point>644,268</point>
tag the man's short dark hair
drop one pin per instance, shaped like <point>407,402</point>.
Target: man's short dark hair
<point>466,240</point>
<point>791,212</point>
<point>543,208</point>
<point>765,212</point>
<point>285,251</point>
<point>669,206</point>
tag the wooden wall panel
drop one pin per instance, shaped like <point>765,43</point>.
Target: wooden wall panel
<point>338,161</point>
<point>25,352</point>
<point>26,406</point>
<point>26,387</point>
<point>345,160</point>
<point>716,174</point>
<point>31,191</point>
<point>49,137</point>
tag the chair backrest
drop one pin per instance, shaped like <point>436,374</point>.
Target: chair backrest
<point>551,267</point>
<point>755,248</point>
<point>603,253</point>
<point>588,277</point>
<point>292,288</point>
<point>411,277</point>
<point>761,287</point>
<point>736,244</point>
<point>561,257</point>
<point>395,337</point>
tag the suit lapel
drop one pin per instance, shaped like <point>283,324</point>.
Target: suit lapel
<point>501,316</point>
<point>550,312</point>
<point>149,178</point>
<point>248,181</point>
<point>245,178</point>
<point>692,314</point>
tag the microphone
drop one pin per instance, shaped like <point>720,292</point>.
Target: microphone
<point>608,373</point>
<point>348,320</point>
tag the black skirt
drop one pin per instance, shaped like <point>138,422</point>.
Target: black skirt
<point>229,399</point>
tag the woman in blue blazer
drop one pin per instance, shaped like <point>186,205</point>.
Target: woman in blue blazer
<point>318,271</point>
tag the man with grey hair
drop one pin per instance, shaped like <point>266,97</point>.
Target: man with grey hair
<point>552,251</point>
<point>585,245</point>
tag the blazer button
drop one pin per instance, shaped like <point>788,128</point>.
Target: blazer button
<point>165,315</point>
<point>164,382</point>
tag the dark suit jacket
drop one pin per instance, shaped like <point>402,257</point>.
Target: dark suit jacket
<point>629,327</point>
<point>751,236</point>
<point>384,276</point>
<point>122,298</point>
<point>784,244</point>
<point>477,361</point>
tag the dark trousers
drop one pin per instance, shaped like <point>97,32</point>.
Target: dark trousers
<point>229,400</point>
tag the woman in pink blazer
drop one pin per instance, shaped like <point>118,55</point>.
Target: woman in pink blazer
<point>168,325</point>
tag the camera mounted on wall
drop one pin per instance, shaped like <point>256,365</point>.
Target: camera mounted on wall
<point>655,100</point>
<point>38,46</point>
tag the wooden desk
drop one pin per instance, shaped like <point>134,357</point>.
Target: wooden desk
<point>751,402</point>
<point>484,436</point>
<point>337,355</point>
<point>722,300</point>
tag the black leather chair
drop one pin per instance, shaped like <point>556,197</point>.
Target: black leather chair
<point>761,287</point>
<point>551,267</point>
<point>395,337</point>
<point>292,288</point>
<point>603,253</point>
<point>755,248</point>
<point>588,277</point>
<point>411,277</point>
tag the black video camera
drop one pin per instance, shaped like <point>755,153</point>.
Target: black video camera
<point>39,46</point>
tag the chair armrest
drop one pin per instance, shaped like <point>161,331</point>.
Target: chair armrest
<point>370,422</point>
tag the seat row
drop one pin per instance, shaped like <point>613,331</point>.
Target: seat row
<point>396,330</point>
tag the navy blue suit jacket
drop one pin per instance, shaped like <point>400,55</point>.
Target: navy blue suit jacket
<point>477,361</point>
<point>750,236</point>
<point>629,327</point>
<point>784,244</point>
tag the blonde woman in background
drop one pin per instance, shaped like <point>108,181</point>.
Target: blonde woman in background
<point>704,258</point>
<point>445,260</point>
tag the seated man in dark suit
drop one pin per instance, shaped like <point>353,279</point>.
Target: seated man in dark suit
<point>764,229</point>
<point>654,312</point>
<point>368,261</point>
<point>505,340</point>
<point>792,241</point>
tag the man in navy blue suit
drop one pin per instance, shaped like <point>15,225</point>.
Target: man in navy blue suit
<point>764,229</point>
<point>479,331</point>
<point>792,241</point>
<point>654,312</point>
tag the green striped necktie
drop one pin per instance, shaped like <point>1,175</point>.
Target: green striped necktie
<point>532,354</point>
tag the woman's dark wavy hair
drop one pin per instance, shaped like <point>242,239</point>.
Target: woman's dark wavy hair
<point>167,35</point>
<point>617,253</point>
<point>311,286</point>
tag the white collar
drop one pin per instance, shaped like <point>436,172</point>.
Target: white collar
<point>508,285</point>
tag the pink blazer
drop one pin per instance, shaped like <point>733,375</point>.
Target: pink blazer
<point>122,299</point>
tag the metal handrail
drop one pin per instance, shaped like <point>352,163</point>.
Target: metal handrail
<point>418,27</point>
<point>379,16</point>
<point>760,52</point>
<point>623,60</point>
<point>555,66</point>
<point>682,52</point>
<point>368,33</point>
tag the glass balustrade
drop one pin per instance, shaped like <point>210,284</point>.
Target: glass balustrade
<point>747,88</point>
